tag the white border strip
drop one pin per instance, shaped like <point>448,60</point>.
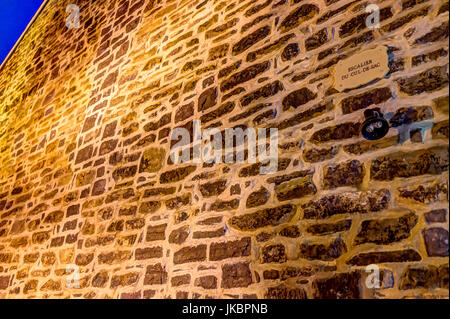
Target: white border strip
<point>23,33</point>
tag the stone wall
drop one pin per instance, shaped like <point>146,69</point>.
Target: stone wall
<point>86,116</point>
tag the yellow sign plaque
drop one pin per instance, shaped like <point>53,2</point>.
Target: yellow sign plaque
<point>361,69</point>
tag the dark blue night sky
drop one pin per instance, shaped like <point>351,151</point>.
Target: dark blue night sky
<point>14,18</point>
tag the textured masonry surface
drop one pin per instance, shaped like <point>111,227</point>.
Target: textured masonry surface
<point>86,179</point>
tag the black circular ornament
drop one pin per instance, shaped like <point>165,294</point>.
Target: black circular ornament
<point>375,126</point>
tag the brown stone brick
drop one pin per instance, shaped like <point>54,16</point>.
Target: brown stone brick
<point>180,280</point>
<point>257,8</point>
<point>304,116</point>
<point>124,280</point>
<point>411,114</point>
<point>190,254</point>
<point>427,81</point>
<point>89,123</point>
<point>258,198</point>
<point>127,211</point>
<point>290,232</point>
<point>206,282</point>
<point>230,249</point>
<point>99,187</point>
<point>131,295</point>
<point>436,216</point>
<point>340,286</point>
<point>436,241</point>
<point>254,169</point>
<point>284,292</point>
<point>48,258</point>
<point>84,154</point>
<point>424,277</point>
<point>179,236</point>
<point>428,57</point>
<point>73,210</point>
<point>57,241</point>
<point>435,34</point>
<point>348,202</point>
<point>136,223</point>
<point>314,155</point>
<point>236,275</point>
<point>4,282</point>
<point>329,228</point>
<point>336,133</point>
<point>51,285</point>
<point>30,286</point>
<point>156,232</point>
<point>229,69</point>
<point>115,226</point>
<point>149,207</point>
<point>220,205</point>
<point>327,252</point>
<point>290,52</point>
<point>108,147</point>
<point>263,218</point>
<point>263,92</point>
<point>30,258</point>
<point>85,178</point>
<point>18,227</point>
<point>245,75</point>
<point>163,121</point>
<point>213,188</point>
<point>295,188</point>
<point>440,130</point>
<point>298,98</point>
<point>274,254</point>
<point>207,99</point>
<point>425,193</point>
<point>19,242</point>
<point>405,19</point>
<point>184,112</point>
<point>218,51</point>
<point>152,160</point>
<point>209,234</point>
<point>149,252</point>
<point>178,202</point>
<point>386,231</point>
<point>298,16</point>
<point>218,113</point>
<point>100,279</point>
<point>84,259</point>
<point>176,174</point>
<point>392,256</point>
<point>350,173</point>
<point>221,29</point>
<point>271,274</point>
<point>316,40</point>
<point>271,47</point>
<point>114,257</point>
<point>6,257</point>
<point>366,99</point>
<point>40,237</point>
<point>369,146</point>
<point>429,161</point>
